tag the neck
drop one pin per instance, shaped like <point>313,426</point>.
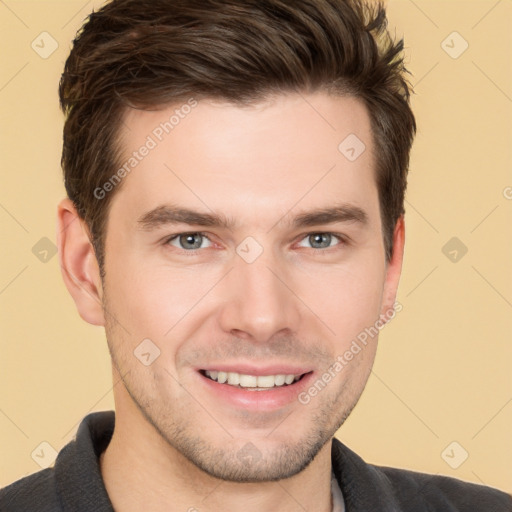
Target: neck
<point>141,471</point>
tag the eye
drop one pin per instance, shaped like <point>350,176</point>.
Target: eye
<point>191,242</point>
<point>322,240</point>
<point>188,241</point>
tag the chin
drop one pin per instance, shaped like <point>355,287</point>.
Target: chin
<point>252,462</point>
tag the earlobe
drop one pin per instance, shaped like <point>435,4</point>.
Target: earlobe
<point>78,263</point>
<point>394,267</point>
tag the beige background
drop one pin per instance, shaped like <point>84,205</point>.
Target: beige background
<point>443,369</point>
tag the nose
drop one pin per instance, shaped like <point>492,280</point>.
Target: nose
<point>260,300</point>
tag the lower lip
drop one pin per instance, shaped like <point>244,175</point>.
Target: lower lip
<point>265,400</point>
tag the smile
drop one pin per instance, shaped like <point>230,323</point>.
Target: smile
<point>252,382</point>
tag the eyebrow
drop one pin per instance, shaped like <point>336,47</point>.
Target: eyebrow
<point>170,214</point>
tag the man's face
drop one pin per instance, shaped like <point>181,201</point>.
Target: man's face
<point>260,299</point>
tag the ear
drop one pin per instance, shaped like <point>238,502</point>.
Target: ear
<point>78,263</point>
<point>394,268</point>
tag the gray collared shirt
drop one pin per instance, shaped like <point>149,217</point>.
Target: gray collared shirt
<point>75,483</point>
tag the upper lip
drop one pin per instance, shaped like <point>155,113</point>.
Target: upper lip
<point>251,369</point>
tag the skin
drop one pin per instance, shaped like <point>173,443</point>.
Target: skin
<point>176,442</point>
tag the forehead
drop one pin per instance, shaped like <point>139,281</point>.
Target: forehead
<point>292,149</point>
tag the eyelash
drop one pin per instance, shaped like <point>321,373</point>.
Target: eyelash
<point>342,241</point>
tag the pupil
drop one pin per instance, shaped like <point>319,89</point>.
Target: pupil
<point>190,239</point>
<point>318,239</point>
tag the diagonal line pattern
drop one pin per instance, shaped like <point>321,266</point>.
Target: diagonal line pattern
<point>198,301</point>
<point>425,75</point>
<point>74,15</point>
<point>317,111</point>
<point>422,216</point>
<point>279,424</point>
<point>501,409</point>
<point>478,477</point>
<point>14,76</point>
<point>485,15</point>
<point>428,275</point>
<point>404,403</point>
<point>14,423</point>
<point>13,279</point>
<point>97,402</point>
<point>301,301</point>
<point>13,217</point>
<point>492,81</point>
<point>165,165</point>
<point>198,402</point>
<point>300,199</point>
<point>424,14</point>
<point>79,284</point>
<point>292,497</point>
<point>68,224</point>
<point>13,13</point>
<point>490,284</point>
<point>213,490</point>
<point>492,211</point>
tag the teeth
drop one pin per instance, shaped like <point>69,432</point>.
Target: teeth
<point>248,381</point>
<point>233,378</point>
<point>252,381</point>
<point>279,380</point>
<point>266,381</point>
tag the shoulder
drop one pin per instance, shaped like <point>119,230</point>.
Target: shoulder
<point>30,493</point>
<point>444,494</point>
<point>371,487</point>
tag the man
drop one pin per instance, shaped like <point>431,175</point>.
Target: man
<point>235,173</point>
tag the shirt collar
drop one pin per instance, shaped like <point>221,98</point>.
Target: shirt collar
<point>363,486</point>
<point>80,485</point>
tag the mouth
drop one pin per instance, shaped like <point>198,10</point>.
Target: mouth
<point>257,389</point>
<point>249,382</point>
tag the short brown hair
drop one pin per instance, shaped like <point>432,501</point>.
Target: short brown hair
<point>148,53</point>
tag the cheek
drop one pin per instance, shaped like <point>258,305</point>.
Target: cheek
<point>150,299</point>
<point>346,298</point>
